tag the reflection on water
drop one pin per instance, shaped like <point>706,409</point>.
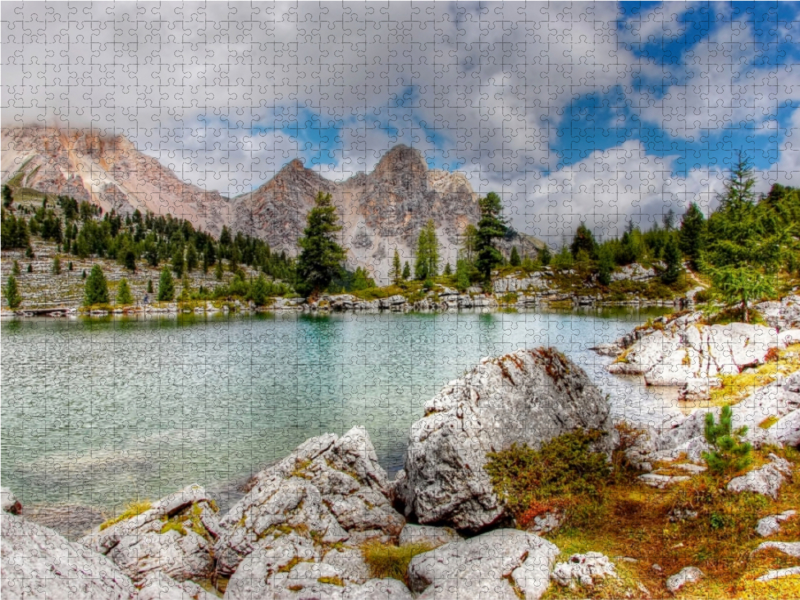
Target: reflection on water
<point>97,412</point>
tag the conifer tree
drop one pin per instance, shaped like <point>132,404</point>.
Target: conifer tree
<point>491,226</point>
<point>166,286</point>
<point>672,256</point>
<point>15,269</point>
<point>427,263</point>
<point>396,273</point>
<point>124,295</point>
<point>692,234</point>
<point>13,297</point>
<point>259,291</point>
<point>406,271</point>
<point>56,268</point>
<point>514,259</point>
<point>149,286</point>
<point>95,289</point>
<point>321,256</point>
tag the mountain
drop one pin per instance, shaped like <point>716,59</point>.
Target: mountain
<point>380,211</point>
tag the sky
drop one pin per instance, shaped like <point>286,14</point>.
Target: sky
<point>594,112</point>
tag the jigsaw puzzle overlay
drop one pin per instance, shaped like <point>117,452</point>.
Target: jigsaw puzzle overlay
<point>400,300</point>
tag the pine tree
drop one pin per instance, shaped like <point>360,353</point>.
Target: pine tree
<point>396,273</point>
<point>13,297</point>
<point>427,262</point>
<point>728,453</point>
<point>406,271</point>
<point>177,261</point>
<point>514,260</point>
<point>672,256</point>
<point>448,270</point>
<point>545,256</point>
<point>462,274</point>
<point>218,271</point>
<point>56,268</point>
<point>95,290</point>
<point>70,267</point>
<point>321,257</point>
<point>605,265</point>
<point>693,234</point>
<point>491,226</point>
<point>124,295</point>
<point>8,197</point>
<point>15,269</point>
<point>191,258</point>
<point>259,291</point>
<point>166,286</point>
<point>149,286</point>
<point>583,240</point>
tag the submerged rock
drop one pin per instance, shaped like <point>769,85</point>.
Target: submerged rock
<point>766,480</point>
<point>330,489</point>
<point>485,566</point>
<point>37,562</point>
<point>174,536</point>
<point>527,397</point>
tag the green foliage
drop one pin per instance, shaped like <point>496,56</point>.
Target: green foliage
<point>693,234</point>
<point>321,257</point>
<point>13,297</point>
<point>427,262</point>
<point>605,266</point>
<point>166,286</point>
<point>545,256</point>
<point>258,291</point>
<point>8,197</point>
<point>149,286</point>
<point>396,273</point>
<point>742,284</point>
<point>95,289</point>
<point>491,227</point>
<point>13,232</point>
<point>562,469</point>
<point>388,561</point>
<point>56,268</point>
<point>406,271</point>
<point>177,261</point>
<point>672,256</point>
<point>729,454</point>
<point>514,259</point>
<point>463,270</point>
<point>124,295</point>
<point>563,261</point>
<point>15,269</point>
<point>448,270</point>
<point>132,510</point>
<point>583,240</point>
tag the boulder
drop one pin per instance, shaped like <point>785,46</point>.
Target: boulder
<point>9,502</point>
<point>779,573</point>
<point>788,548</point>
<point>661,481</point>
<point>158,586</point>
<point>684,577</point>
<point>527,397</point>
<point>771,525</point>
<point>486,566</point>
<point>584,569</point>
<point>783,314</point>
<point>766,480</point>
<point>174,536</point>
<point>787,429</point>
<point>427,534</point>
<point>546,522</point>
<point>37,562</point>
<point>330,489</point>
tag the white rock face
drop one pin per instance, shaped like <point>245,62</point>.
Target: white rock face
<point>787,429</point>
<point>139,548</point>
<point>766,480</point>
<point>771,525</point>
<point>784,314</point>
<point>584,569</point>
<point>684,577</point>
<point>527,397</point>
<point>39,563</point>
<point>484,567</point>
<point>158,586</point>
<point>329,490</point>
<point>512,283</point>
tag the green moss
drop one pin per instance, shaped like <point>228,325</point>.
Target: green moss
<point>173,526</point>
<point>332,581</point>
<point>132,510</point>
<point>768,422</point>
<point>387,560</point>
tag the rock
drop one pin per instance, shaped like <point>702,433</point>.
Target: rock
<point>787,429</point>
<point>9,502</point>
<point>330,489</point>
<point>170,537</point>
<point>779,573</point>
<point>158,586</point>
<point>612,349</point>
<point>485,566</point>
<point>39,563</point>
<point>349,562</point>
<point>684,577</point>
<point>661,481</point>
<point>546,522</point>
<point>789,548</point>
<point>527,397</point>
<point>766,480</point>
<point>583,569</point>
<point>771,525</point>
<point>783,315</point>
<point>377,589</point>
<point>633,272</point>
<point>427,534</point>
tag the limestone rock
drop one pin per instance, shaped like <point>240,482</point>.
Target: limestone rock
<point>585,569</point>
<point>529,396</point>
<point>39,563</point>
<point>783,314</point>
<point>766,480</point>
<point>787,429</point>
<point>330,489</point>
<point>661,481</point>
<point>158,586</point>
<point>377,589</point>
<point>427,534</point>
<point>779,573</point>
<point>684,577</point>
<point>184,549</point>
<point>771,525</point>
<point>546,522</point>
<point>789,548</point>
<point>9,502</point>
<point>485,567</point>
<point>350,563</point>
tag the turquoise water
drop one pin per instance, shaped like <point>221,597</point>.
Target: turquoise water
<point>98,412</point>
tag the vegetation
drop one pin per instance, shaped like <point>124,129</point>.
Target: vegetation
<point>491,227</point>
<point>95,288</point>
<point>124,295</point>
<point>166,286</point>
<point>132,510</point>
<point>387,560</point>
<point>321,256</point>
<point>13,297</point>
<point>728,453</point>
<point>427,262</point>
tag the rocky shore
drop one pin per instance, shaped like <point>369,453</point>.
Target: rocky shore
<point>304,527</point>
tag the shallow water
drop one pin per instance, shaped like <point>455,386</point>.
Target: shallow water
<point>98,412</point>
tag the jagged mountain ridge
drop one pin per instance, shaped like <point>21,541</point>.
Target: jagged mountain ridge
<point>380,211</point>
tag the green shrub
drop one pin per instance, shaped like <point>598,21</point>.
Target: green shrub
<point>729,454</point>
<point>386,560</point>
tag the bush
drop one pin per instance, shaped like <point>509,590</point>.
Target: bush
<point>563,473</point>
<point>729,454</point>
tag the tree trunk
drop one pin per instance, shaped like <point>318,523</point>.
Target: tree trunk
<point>744,310</point>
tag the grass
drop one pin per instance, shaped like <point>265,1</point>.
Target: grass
<point>386,560</point>
<point>173,526</point>
<point>132,510</point>
<point>736,388</point>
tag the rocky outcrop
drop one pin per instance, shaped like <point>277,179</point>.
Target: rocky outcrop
<point>174,536</point>
<point>583,569</point>
<point>781,314</point>
<point>9,502</point>
<point>330,489</point>
<point>787,429</point>
<point>766,480</point>
<point>683,578</point>
<point>634,272</point>
<point>788,548</point>
<point>772,524</point>
<point>158,586</point>
<point>527,397</point>
<point>39,563</point>
<point>521,283</point>
<point>426,534</point>
<point>779,574</point>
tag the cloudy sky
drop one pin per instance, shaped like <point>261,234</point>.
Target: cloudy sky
<point>581,111</point>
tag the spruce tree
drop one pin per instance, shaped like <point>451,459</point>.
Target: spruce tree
<point>13,297</point>
<point>728,453</point>
<point>177,261</point>
<point>693,234</point>
<point>545,256</point>
<point>396,273</point>
<point>491,226</point>
<point>406,271</point>
<point>166,286</point>
<point>15,269</point>
<point>672,256</point>
<point>56,268</point>
<point>95,290</point>
<point>218,270</point>
<point>321,257</point>
<point>583,240</point>
<point>514,260</point>
<point>149,286</point>
<point>191,258</point>
<point>259,291</point>
<point>124,295</point>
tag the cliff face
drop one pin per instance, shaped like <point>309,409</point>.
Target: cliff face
<point>380,211</point>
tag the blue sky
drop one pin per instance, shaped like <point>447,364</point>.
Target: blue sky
<point>567,110</point>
